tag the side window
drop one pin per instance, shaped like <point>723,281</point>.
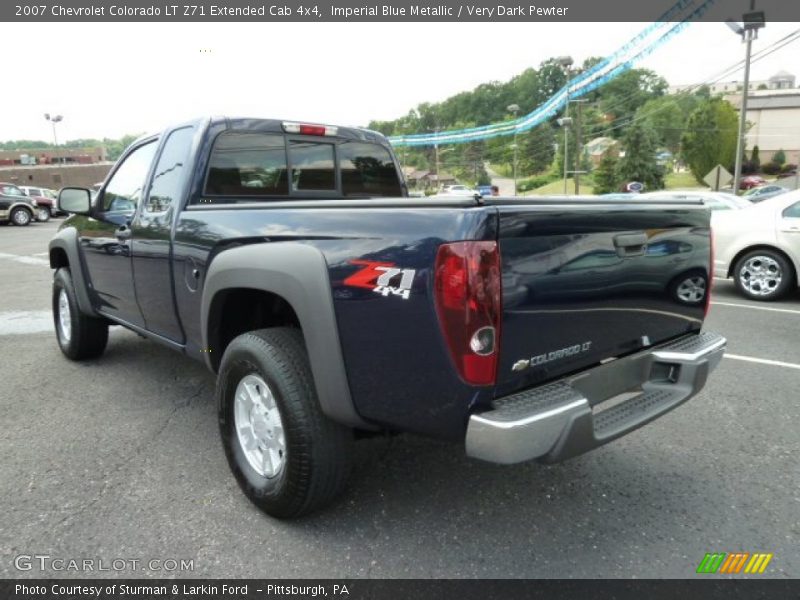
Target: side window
<point>124,190</point>
<point>11,190</point>
<point>368,169</point>
<point>248,164</point>
<point>793,211</point>
<point>170,173</point>
<point>312,167</point>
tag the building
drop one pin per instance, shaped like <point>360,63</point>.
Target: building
<point>773,117</point>
<point>48,156</point>
<point>773,112</point>
<point>56,176</point>
<point>782,80</point>
<point>596,148</point>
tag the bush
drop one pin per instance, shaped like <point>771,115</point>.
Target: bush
<point>788,168</point>
<point>537,181</point>
<point>749,167</point>
<point>771,168</point>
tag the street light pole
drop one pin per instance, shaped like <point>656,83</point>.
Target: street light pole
<point>752,22</point>
<point>565,62</point>
<point>55,119</point>
<point>514,109</point>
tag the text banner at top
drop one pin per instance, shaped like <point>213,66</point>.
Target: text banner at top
<point>482,11</point>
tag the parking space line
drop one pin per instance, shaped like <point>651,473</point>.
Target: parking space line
<point>768,308</point>
<point>25,321</point>
<point>26,260</point>
<point>763,361</point>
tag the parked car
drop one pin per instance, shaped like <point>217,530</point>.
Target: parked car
<point>751,181</point>
<point>712,200</point>
<point>44,197</point>
<point>760,247</point>
<point>762,192</point>
<point>328,302</point>
<point>459,190</point>
<point>15,206</point>
<point>485,190</point>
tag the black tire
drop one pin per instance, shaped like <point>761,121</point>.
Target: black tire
<point>779,275</point>
<point>43,215</point>
<point>21,216</point>
<point>316,460</point>
<point>88,336</point>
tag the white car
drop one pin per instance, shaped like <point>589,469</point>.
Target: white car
<point>714,201</point>
<point>760,246</point>
<point>458,190</point>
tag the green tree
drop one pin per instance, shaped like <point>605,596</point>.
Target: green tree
<point>536,149</point>
<point>755,159</point>
<point>710,137</point>
<point>606,179</point>
<point>664,116</point>
<point>779,157</point>
<point>639,162</point>
<point>621,97</point>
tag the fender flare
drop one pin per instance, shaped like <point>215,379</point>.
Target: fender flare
<point>67,240</point>
<point>299,274</point>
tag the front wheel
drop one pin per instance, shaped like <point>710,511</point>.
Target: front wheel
<point>286,455</point>
<point>43,215</point>
<point>79,336</point>
<point>21,217</point>
<point>763,275</point>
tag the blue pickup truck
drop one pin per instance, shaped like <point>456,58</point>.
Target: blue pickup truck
<point>289,259</point>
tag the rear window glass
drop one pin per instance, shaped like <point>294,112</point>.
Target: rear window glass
<point>248,164</point>
<point>367,169</point>
<point>312,167</point>
<point>245,164</point>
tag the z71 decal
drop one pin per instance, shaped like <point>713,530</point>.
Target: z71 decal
<point>379,277</point>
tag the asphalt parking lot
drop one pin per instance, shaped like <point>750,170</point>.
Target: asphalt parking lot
<point>119,458</point>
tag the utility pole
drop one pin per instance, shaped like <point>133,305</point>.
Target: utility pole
<point>436,151</point>
<point>565,62</point>
<point>752,22</point>
<point>514,109</point>
<point>578,147</point>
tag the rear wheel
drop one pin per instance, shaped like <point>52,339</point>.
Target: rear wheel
<point>286,455</point>
<point>79,336</point>
<point>763,275</point>
<point>21,216</point>
<point>690,288</point>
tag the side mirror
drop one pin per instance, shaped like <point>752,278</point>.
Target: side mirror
<point>75,200</point>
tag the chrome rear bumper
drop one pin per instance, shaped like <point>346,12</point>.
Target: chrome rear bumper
<point>562,419</point>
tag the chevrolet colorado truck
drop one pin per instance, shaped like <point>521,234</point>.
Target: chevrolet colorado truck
<point>289,259</point>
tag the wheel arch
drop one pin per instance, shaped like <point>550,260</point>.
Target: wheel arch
<point>293,278</point>
<point>63,252</point>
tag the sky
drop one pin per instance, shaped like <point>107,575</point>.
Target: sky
<point>106,81</point>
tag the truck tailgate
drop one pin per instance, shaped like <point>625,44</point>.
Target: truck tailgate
<point>584,283</point>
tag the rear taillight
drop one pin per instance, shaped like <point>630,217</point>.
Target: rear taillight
<point>467,289</point>
<point>710,271</point>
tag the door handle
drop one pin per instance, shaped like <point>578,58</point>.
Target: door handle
<point>123,233</point>
<point>630,244</point>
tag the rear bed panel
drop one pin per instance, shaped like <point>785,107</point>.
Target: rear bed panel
<point>578,288</point>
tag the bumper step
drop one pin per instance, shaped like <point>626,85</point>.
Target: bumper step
<point>556,421</point>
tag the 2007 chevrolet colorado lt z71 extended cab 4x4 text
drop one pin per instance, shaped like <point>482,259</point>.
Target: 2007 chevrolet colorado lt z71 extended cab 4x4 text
<point>290,260</point>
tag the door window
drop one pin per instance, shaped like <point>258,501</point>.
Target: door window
<point>170,173</point>
<point>124,190</point>
<point>792,212</point>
